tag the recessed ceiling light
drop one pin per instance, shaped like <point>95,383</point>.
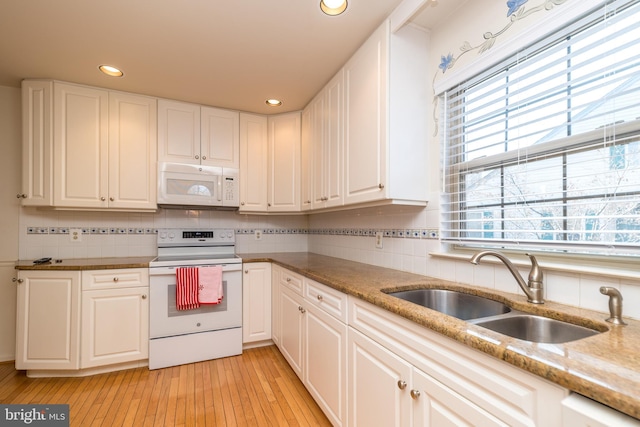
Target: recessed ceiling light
<point>333,7</point>
<point>273,102</point>
<point>111,71</point>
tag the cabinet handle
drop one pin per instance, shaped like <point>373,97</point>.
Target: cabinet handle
<point>103,199</point>
<point>301,309</point>
<point>144,296</point>
<point>320,298</point>
<point>268,204</point>
<point>21,196</point>
<point>242,203</point>
<point>115,279</point>
<point>402,384</point>
<point>197,157</point>
<point>14,280</point>
<point>288,279</point>
<point>246,271</point>
<point>111,199</point>
<point>381,186</point>
<point>204,157</point>
<point>415,394</point>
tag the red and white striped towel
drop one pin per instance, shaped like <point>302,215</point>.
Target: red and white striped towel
<point>210,285</point>
<point>187,288</point>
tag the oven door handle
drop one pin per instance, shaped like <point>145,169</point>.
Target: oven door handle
<point>158,271</point>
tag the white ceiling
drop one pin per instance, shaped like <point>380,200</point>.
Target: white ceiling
<point>228,54</point>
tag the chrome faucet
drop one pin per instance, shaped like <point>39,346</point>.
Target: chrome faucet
<point>533,289</point>
<point>615,304</point>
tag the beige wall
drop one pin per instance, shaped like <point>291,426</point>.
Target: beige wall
<point>10,135</point>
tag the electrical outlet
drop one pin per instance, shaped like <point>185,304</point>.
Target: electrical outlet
<point>257,234</point>
<point>75,234</point>
<point>379,239</point>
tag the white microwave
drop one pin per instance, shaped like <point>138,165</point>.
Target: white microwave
<point>196,185</point>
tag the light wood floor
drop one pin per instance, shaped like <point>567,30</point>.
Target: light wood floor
<point>257,388</point>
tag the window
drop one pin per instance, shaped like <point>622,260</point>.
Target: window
<point>543,150</point>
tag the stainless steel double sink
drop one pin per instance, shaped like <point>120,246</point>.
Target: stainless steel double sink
<point>496,316</point>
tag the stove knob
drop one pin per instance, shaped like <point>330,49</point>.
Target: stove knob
<point>163,235</point>
<point>230,234</point>
<point>172,235</point>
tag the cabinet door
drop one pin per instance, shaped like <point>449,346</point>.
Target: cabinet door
<point>579,411</point>
<point>333,141</point>
<point>37,143</point>
<point>436,405</point>
<point>48,319</point>
<point>219,137</point>
<point>253,163</point>
<point>115,326</point>
<point>284,163</point>
<point>275,304</point>
<point>178,132</point>
<point>80,146</point>
<point>291,321</point>
<point>378,384</point>
<point>325,365</point>
<point>132,151</point>
<point>306,160</point>
<point>365,77</point>
<point>317,150</point>
<point>256,302</point>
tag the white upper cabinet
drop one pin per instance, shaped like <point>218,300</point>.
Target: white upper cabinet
<point>386,113</point>
<point>132,151</point>
<point>178,132</point>
<point>306,167</point>
<point>88,148</point>
<point>81,150</point>
<point>37,145</point>
<point>219,137</point>
<point>253,163</point>
<point>327,129</point>
<point>270,163</point>
<point>284,163</point>
<point>191,134</point>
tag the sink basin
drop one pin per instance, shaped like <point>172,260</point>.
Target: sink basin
<point>457,304</point>
<point>537,329</point>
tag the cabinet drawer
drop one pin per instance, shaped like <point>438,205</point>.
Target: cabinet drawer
<point>118,278</point>
<point>327,299</point>
<point>291,280</point>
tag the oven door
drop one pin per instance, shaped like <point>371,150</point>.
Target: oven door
<point>165,320</point>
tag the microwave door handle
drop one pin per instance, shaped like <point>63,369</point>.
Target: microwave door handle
<point>220,179</point>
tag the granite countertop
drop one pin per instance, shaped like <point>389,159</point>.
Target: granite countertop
<point>87,263</point>
<point>604,367</point>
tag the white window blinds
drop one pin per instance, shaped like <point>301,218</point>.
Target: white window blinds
<point>543,150</point>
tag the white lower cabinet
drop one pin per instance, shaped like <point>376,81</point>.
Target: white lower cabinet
<point>434,381</point>
<point>578,411</point>
<point>115,317</point>
<point>313,338</point>
<point>71,320</point>
<point>48,319</point>
<point>377,383</point>
<point>256,302</point>
<point>386,390</point>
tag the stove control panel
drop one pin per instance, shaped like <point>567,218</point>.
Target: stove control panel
<point>195,237</point>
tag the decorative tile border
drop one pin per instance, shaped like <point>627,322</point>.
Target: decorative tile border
<point>417,233</point>
<point>430,233</point>
<point>91,230</point>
